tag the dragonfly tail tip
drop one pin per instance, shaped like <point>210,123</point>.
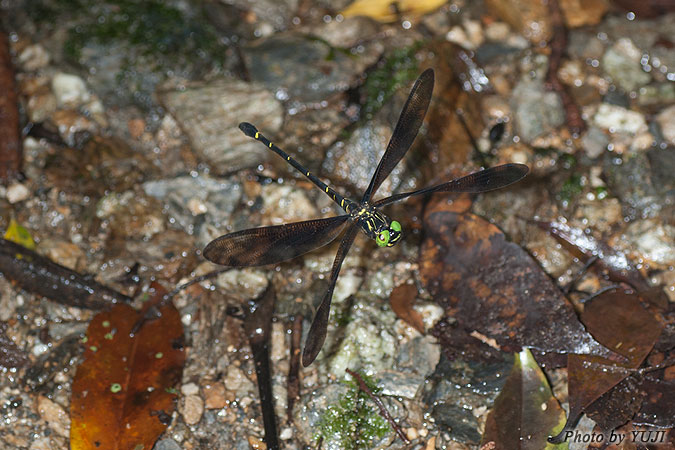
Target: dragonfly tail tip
<point>248,129</point>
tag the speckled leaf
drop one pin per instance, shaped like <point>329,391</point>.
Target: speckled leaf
<point>617,406</point>
<point>494,287</point>
<point>619,321</point>
<point>124,391</point>
<point>658,407</point>
<point>525,412</point>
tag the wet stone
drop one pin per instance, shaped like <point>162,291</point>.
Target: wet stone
<point>594,142</point>
<point>210,113</point>
<point>666,120</point>
<point>33,57</point>
<point>347,32</point>
<point>352,162</point>
<point>457,421</point>
<point>419,355</point>
<point>284,203</point>
<point>654,240</point>
<point>617,119</point>
<point>103,164</point>
<point>247,283</point>
<point>167,444</point>
<point>193,201</point>
<point>622,63</point>
<point>193,408</point>
<point>131,214</point>
<point>399,384</point>
<point>536,111</point>
<point>300,68</point>
<point>70,90</point>
<point>214,396</point>
<point>55,415</point>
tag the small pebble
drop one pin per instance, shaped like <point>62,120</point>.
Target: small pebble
<point>617,119</point>
<point>666,120</point>
<point>286,434</point>
<point>33,57</point>
<point>214,396</point>
<point>193,408</point>
<point>70,90</point>
<point>189,389</point>
<point>17,192</point>
<point>58,418</point>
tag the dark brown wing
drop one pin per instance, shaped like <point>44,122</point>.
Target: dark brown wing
<point>406,129</point>
<point>317,332</point>
<point>271,245</point>
<point>482,181</point>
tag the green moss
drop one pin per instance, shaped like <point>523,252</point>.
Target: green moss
<point>354,422</point>
<point>571,188</point>
<point>152,38</point>
<point>601,192</point>
<point>152,27</point>
<point>397,71</point>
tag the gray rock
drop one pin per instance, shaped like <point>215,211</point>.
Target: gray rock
<point>536,111</point>
<point>457,421</point>
<point>210,113</point>
<point>594,142</point>
<point>300,68</point>
<point>193,201</point>
<point>622,63</point>
<point>352,162</point>
<point>167,444</point>
<point>399,384</point>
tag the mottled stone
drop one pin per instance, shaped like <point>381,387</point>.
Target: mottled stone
<point>17,192</point>
<point>617,119</point>
<point>214,396</point>
<point>194,201</point>
<point>530,17</point>
<point>666,120</point>
<point>579,13</point>
<point>70,90</point>
<point>192,409</point>
<point>55,415</point>
<point>594,142</point>
<point>33,57</point>
<point>622,63</point>
<point>352,162</point>
<point>654,240</point>
<point>300,68</point>
<point>209,113</point>
<point>536,110</point>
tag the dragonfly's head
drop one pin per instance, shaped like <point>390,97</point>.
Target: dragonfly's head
<point>389,236</point>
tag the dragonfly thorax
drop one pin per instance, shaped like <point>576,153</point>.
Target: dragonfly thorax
<point>376,225</point>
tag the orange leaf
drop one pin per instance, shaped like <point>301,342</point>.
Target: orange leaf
<point>402,299</point>
<point>124,391</point>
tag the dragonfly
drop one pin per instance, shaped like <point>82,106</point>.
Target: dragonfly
<point>274,244</point>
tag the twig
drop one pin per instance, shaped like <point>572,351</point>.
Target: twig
<point>10,140</point>
<point>558,45</point>
<point>383,410</point>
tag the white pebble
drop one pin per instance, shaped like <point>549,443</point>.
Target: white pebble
<point>617,119</point>
<point>17,192</point>
<point>70,90</point>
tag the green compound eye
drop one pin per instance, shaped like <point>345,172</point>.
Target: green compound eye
<point>382,238</point>
<point>395,226</point>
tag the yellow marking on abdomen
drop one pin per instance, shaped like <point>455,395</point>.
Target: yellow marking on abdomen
<point>257,134</point>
